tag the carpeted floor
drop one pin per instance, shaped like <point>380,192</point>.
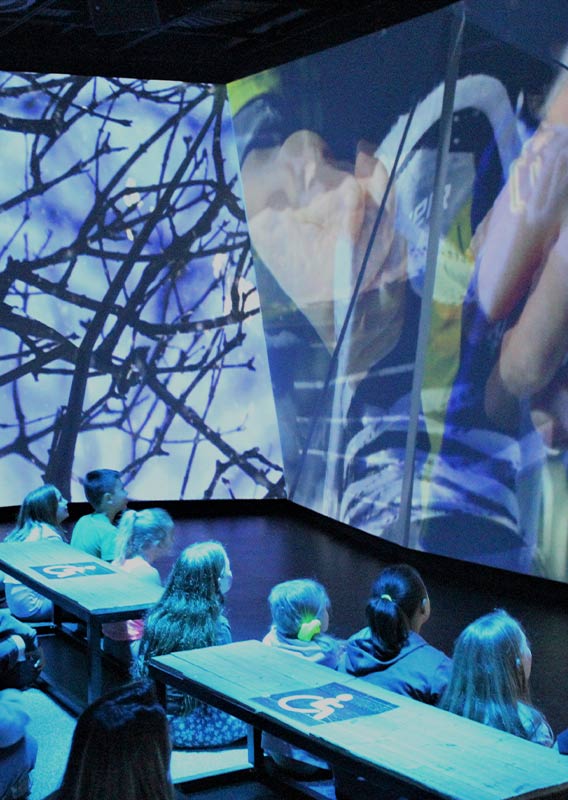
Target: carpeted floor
<point>53,728</point>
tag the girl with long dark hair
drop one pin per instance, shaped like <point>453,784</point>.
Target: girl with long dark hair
<point>191,615</point>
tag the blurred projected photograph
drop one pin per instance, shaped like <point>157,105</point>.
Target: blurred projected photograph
<point>131,330</point>
<point>339,155</point>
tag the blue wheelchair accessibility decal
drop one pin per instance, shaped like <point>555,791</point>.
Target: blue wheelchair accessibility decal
<point>82,569</point>
<point>330,703</point>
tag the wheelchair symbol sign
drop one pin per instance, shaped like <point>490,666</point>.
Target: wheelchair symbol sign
<point>333,702</point>
<point>79,570</point>
<point>319,707</point>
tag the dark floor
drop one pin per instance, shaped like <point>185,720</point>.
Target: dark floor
<point>266,550</point>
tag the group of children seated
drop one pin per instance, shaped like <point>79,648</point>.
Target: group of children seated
<point>487,680</point>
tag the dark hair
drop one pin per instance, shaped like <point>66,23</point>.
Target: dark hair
<point>97,483</point>
<point>120,749</point>
<point>186,616</point>
<point>39,505</point>
<point>396,596</point>
<point>488,679</point>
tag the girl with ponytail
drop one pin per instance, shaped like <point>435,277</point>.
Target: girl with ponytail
<point>390,651</point>
<point>143,536</point>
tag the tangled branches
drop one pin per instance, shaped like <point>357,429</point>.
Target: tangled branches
<point>131,328</point>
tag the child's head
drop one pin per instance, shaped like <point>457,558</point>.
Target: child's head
<point>146,533</point>
<point>120,749</point>
<point>45,504</point>
<point>105,492</point>
<point>491,668</point>
<point>188,613</point>
<point>296,605</point>
<point>398,604</point>
<point>201,570</point>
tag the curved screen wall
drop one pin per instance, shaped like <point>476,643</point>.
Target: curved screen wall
<point>405,198</point>
<point>418,363</point>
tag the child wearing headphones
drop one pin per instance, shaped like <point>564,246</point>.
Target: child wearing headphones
<point>300,618</point>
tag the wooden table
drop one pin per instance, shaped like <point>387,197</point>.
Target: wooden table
<point>82,585</point>
<point>438,752</point>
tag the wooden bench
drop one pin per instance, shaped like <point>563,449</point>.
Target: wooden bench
<point>191,765</point>
<point>357,726</point>
<point>82,585</point>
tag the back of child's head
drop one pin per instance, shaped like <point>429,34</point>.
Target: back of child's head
<point>489,677</point>
<point>295,607</point>
<point>97,483</point>
<point>139,531</point>
<point>397,594</point>
<point>120,749</point>
<point>187,614</point>
<point>197,571</point>
<point>38,506</point>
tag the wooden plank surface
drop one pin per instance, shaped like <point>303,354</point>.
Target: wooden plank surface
<point>441,752</point>
<point>110,596</point>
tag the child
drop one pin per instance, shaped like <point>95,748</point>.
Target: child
<point>20,655</point>
<point>18,749</point>
<point>95,533</point>
<point>143,536</point>
<point>188,616</point>
<point>41,514</point>
<point>300,619</point>
<point>120,749</point>
<point>490,679</point>
<point>390,652</point>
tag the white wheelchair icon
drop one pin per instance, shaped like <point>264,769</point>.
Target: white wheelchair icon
<point>68,570</point>
<point>318,707</point>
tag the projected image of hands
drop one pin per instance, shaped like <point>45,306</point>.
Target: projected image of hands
<point>311,220</point>
<point>450,437</point>
<point>522,253</point>
<point>131,326</point>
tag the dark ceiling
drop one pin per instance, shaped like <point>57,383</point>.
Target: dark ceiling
<point>193,40</point>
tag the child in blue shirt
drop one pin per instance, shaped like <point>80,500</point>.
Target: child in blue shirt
<point>96,533</point>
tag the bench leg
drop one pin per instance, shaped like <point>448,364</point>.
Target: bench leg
<point>255,752</point>
<point>161,692</point>
<point>94,661</point>
<point>57,616</point>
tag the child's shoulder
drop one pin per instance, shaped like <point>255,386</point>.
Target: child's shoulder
<point>138,567</point>
<point>536,725</point>
<point>331,649</point>
<point>322,649</point>
<point>40,531</point>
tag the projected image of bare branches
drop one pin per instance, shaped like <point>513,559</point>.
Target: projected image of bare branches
<point>131,333</point>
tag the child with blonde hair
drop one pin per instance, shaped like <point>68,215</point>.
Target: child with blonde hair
<point>143,536</point>
<point>300,619</point>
